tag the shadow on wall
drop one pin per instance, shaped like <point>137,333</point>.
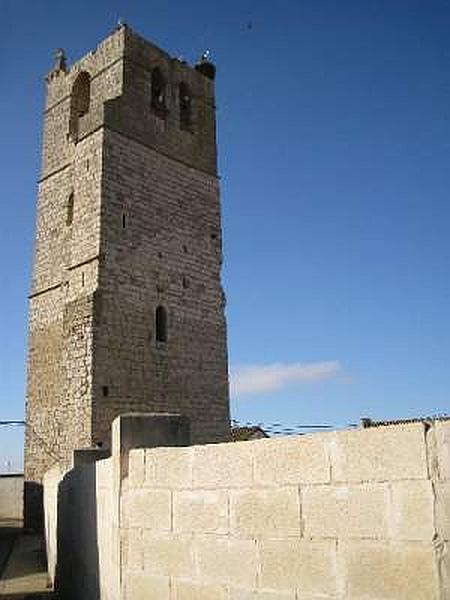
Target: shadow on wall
<point>77,520</point>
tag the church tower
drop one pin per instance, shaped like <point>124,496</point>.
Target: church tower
<point>126,304</point>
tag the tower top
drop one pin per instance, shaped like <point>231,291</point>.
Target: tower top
<point>129,85</point>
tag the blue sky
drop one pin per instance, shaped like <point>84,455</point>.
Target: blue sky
<point>334,145</point>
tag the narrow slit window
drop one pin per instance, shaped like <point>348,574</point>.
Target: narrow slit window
<point>124,221</point>
<point>185,104</point>
<point>161,324</point>
<point>70,207</point>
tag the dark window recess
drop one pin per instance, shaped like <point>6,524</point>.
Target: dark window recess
<point>185,282</point>
<point>158,99</point>
<point>185,100</point>
<point>185,250</point>
<point>70,207</point>
<point>161,324</point>
<point>105,391</point>
<point>214,236</point>
<point>82,279</point>
<point>79,102</point>
<point>124,221</point>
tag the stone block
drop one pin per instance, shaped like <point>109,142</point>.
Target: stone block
<point>200,511</point>
<point>168,467</point>
<point>345,511</point>
<point>168,555</point>
<point>244,594</point>
<point>442,491</point>
<point>387,570</point>
<point>293,460</point>
<point>136,468</point>
<point>303,565</point>
<point>132,549</point>
<point>222,465</point>
<point>412,511</point>
<point>189,590</point>
<point>379,454</point>
<point>442,433</point>
<point>142,586</point>
<point>443,570</point>
<point>227,560</point>
<point>265,512</point>
<point>147,509</point>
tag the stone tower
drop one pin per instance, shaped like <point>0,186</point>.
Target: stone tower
<point>126,303</point>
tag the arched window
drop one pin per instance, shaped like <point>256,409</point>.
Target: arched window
<point>185,100</point>
<point>79,101</point>
<point>158,101</point>
<point>70,207</point>
<point>161,324</point>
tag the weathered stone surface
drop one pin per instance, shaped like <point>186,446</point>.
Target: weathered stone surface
<point>147,509</point>
<point>442,491</point>
<point>200,511</point>
<point>222,466</point>
<point>132,549</point>
<point>168,468</point>
<point>273,512</point>
<point>341,511</point>
<point>442,433</point>
<point>392,571</point>
<point>292,460</point>
<point>303,565</point>
<point>227,560</point>
<point>136,468</point>
<point>188,590</point>
<point>142,586</point>
<point>412,511</point>
<point>379,454</point>
<point>243,594</point>
<point>168,554</point>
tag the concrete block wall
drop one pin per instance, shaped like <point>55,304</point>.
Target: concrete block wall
<point>360,514</point>
<point>11,497</point>
<point>352,514</point>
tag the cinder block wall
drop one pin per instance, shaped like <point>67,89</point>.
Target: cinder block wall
<point>354,514</point>
<point>360,514</point>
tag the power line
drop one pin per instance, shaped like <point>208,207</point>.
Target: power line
<point>13,423</point>
<point>284,429</point>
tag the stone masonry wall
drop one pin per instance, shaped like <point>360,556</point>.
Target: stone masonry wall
<point>167,253</point>
<point>351,515</point>
<point>61,314</point>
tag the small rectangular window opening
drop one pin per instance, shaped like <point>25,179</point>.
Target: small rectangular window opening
<point>124,221</point>
<point>105,391</point>
<point>82,279</point>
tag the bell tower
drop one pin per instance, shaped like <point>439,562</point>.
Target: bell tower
<point>126,305</point>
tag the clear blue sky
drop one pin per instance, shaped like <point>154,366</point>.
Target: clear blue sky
<point>334,143</point>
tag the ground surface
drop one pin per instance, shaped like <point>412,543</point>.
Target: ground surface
<point>23,573</point>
